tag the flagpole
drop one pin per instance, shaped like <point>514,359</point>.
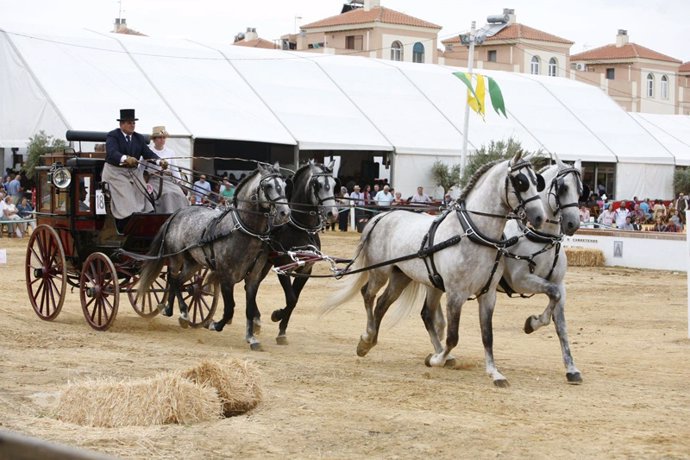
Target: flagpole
<point>470,59</point>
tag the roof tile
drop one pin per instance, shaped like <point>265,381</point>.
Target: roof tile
<point>627,51</point>
<point>257,43</point>
<point>376,14</point>
<point>519,31</point>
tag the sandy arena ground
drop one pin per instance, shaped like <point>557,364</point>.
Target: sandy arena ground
<point>628,331</point>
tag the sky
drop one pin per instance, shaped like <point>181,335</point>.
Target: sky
<point>657,24</point>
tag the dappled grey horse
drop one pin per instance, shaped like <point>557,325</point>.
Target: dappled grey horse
<point>458,252</point>
<point>227,241</point>
<point>536,265</point>
<point>312,204</point>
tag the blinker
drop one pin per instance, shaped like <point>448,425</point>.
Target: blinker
<point>541,183</point>
<point>520,182</point>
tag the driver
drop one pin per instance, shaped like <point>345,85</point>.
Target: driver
<point>124,148</point>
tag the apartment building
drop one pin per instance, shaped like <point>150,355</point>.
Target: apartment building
<point>365,28</point>
<point>636,77</point>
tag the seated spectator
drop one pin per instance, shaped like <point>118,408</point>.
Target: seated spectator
<point>607,217</point>
<point>659,225</point>
<point>8,211</point>
<point>646,210</point>
<point>659,209</point>
<point>584,213</point>
<point>675,218</point>
<point>671,226</point>
<point>621,214</point>
<point>398,199</point>
<point>420,197</point>
<point>384,197</point>
<point>627,224</point>
<point>637,215</point>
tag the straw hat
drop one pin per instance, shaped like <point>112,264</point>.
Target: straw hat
<point>159,131</point>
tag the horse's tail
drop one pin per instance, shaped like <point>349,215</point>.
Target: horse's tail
<point>152,267</point>
<point>412,296</point>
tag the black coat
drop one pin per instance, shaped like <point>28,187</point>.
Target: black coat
<point>116,146</point>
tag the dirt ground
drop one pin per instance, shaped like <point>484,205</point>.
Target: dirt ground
<point>628,331</point>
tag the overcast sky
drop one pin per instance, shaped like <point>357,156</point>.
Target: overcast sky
<point>661,25</point>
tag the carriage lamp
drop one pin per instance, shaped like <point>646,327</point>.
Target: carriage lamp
<point>61,178</point>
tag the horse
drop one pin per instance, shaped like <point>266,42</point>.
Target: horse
<point>399,247</point>
<point>312,203</point>
<point>228,242</point>
<point>536,265</point>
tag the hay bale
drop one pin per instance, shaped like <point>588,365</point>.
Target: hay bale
<point>235,381</point>
<point>584,257</point>
<point>165,399</point>
<point>203,393</point>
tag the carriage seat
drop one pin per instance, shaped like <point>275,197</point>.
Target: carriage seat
<point>82,162</point>
<point>145,225</point>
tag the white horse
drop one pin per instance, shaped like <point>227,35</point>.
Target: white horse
<point>536,265</point>
<point>459,252</point>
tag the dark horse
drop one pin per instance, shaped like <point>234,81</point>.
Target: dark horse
<point>312,202</point>
<point>228,242</point>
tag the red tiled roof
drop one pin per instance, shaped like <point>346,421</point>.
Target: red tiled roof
<point>685,67</point>
<point>257,43</point>
<point>519,31</point>
<point>627,51</point>
<point>127,31</point>
<point>376,14</point>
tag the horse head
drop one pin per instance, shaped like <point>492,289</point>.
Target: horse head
<point>525,200</point>
<point>322,185</point>
<point>563,195</point>
<point>271,193</point>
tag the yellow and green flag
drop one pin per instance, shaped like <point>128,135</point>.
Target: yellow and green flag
<point>476,93</point>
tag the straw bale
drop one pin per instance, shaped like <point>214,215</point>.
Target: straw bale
<point>584,257</point>
<point>235,381</point>
<point>165,399</point>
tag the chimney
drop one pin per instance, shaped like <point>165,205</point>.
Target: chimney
<point>621,38</point>
<point>120,23</point>
<point>251,34</point>
<point>369,4</point>
<point>509,13</point>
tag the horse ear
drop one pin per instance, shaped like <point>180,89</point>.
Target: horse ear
<point>276,166</point>
<point>559,162</point>
<point>517,157</point>
<point>578,165</point>
<point>331,165</point>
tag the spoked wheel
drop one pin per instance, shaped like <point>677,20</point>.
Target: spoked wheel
<point>99,291</point>
<point>46,282</point>
<point>147,304</point>
<point>200,294</point>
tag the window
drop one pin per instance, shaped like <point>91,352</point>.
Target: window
<point>418,53</point>
<point>491,55</point>
<point>396,51</point>
<point>315,45</point>
<point>664,87</point>
<point>553,67</point>
<point>354,42</point>
<point>650,85</point>
<point>534,66</point>
<point>610,73</point>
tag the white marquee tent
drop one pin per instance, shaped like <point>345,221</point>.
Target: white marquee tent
<point>57,79</point>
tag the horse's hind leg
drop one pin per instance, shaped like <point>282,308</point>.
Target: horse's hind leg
<point>435,323</point>
<point>292,290</point>
<point>226,288</point>
<point>188,270</point>
<point>377,279</point>
<point>397,283</point>
<point>454,301</point>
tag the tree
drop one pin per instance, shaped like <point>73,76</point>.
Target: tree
<point>498,150</point>
<point>445,176</point>
<point>681,181</point>
<point>39,145</point>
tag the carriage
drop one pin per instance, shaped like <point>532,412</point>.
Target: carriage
<point>76,242</point>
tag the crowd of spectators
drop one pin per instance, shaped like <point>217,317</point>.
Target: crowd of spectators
<point>15,192</point>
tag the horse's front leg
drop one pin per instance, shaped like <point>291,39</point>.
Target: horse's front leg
<point>454,304</point>
<point>291,290</point>
<point>537,285</point>
<point>487,303</point>
<point>226,288</point>
<point>572,375</point>
<point>251,286</point>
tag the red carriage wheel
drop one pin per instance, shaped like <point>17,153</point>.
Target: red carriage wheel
<point>46,281</point>
<point>99,291</point>
<point>200,294</point>
<point>147,305</point>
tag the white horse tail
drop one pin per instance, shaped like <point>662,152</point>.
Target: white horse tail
<point>413,295</point>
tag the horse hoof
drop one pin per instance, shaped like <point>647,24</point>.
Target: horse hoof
<point>501,383</point>
<point>528,325</point>
<point>213,327</point>
<point>277,316</point>
<point>184,323</point>
<point>281,340</point>
<point>256,346</point>
<point>427,360</point>
<point>450,363</point>
<point>574,378</point>
<point>363,348</point>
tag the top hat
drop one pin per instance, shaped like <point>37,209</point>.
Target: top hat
<point>127,115</point>
<point>159,131</point>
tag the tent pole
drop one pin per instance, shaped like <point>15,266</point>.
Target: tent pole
<point>470,58</point>
<point>295,157</point>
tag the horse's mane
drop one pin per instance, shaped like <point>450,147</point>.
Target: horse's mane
<point>475,177</point>
<point>247,179</point>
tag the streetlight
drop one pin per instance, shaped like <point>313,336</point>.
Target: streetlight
<point>469,39</point>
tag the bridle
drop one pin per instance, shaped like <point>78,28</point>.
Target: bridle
<point>521,183</point>
<point>263,200</point>
<point>314,186</point>
<point>556,188</point>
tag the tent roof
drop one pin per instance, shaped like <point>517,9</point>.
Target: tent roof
<point>53,79</point>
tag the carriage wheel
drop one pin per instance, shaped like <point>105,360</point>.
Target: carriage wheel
<point>147,305</point>
<point>45,272</point>
<point>200,294</point>
<point>99,291</point>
